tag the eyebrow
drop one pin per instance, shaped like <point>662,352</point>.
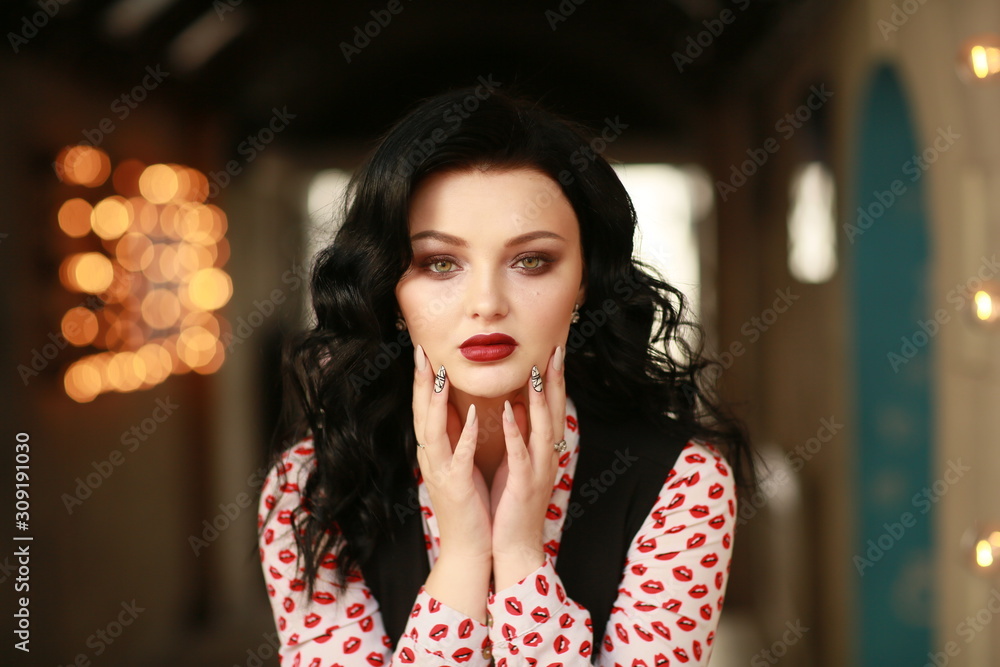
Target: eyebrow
<point>455,240</point>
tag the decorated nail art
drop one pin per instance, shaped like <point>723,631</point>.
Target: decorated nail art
<point>439,380</point>
<point>536,379</point>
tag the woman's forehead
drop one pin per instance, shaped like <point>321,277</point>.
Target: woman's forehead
<point>518,200</point>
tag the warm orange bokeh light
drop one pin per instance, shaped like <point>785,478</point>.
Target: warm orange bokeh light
<point>215,363</point>
<point>158,362</point>
<point>159,277</point>
<point>146,215</point>
<point>111,217</point>
<point>74,217</point>
<point>198,190</point>
<point>984,60</point>
<point>90,272</point>
<point>210,289</point>
<point>82,381</point>
<point>124,334</point>
<point>161,309</point>
<point>83,165</point>
<point>126,371</point>
<point>195,224</point>
<point>119,291</point>
<point>159,183</point>
<point>79,326</point>
<point>134,251</point>
<point>196,346</point>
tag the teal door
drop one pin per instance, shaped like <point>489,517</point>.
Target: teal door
<point>888,259</point>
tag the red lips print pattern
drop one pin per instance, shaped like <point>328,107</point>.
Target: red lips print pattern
<point>671,591</point>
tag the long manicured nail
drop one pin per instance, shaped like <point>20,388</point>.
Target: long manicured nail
<point>508,412</point>
<point>439,380</point>
<point>471,417</point>
<point>418,358</point>
<point>536,379</point>
<point>558,357</point>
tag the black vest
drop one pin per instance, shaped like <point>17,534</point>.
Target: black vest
<point>619,473</point>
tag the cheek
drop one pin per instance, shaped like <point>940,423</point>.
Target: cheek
<point>426,303</point>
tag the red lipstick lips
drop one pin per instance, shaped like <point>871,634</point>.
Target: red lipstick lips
<point>488,347</point>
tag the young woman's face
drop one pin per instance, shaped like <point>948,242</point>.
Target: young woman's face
<point>495,252</point>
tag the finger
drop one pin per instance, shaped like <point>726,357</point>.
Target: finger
<point>465,449</point>
<point>521,418</point>
<point>540,441</point>
<point>454,426</point>
<point>555,391</point>
<point>422,378</point>
<point>518,459</point>
<point>436,420</point>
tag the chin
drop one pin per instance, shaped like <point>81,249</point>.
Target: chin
<point>475,382</point>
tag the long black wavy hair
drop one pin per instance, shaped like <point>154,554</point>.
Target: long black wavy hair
<point>349,378</point>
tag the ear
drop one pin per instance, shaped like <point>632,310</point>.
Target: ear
<point>581,295</point>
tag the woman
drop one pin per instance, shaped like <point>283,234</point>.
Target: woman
<point>496,463</point>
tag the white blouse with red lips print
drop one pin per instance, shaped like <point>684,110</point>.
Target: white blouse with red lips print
<point>669,599</point>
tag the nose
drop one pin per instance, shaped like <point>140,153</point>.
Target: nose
<point>486,296</point>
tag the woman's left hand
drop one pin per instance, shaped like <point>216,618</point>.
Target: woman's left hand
<point>522,485</point>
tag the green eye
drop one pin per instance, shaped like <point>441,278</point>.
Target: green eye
<point>437,267</point>
<point>531,262</point>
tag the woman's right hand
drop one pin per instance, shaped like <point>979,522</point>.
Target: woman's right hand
<point>457,489</point>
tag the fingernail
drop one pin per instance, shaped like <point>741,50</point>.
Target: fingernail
<point>418,358</point>
<point>557,358</point>
<point>471,417</point>
<point>536,379</point>
<point>439,380</point>
<point>508,412</point>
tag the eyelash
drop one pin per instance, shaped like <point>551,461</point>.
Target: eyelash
<point>431,261</point>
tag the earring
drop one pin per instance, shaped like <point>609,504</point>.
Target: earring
<point>401,323</point>
<point>576,314</point>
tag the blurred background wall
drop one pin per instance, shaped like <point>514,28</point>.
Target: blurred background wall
<point>826,188</point>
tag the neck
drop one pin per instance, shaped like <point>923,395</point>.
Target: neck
<point>491,446</point>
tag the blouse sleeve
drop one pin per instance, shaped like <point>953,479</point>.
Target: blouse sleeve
<point>671,591</point>
<point>341,626</point>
